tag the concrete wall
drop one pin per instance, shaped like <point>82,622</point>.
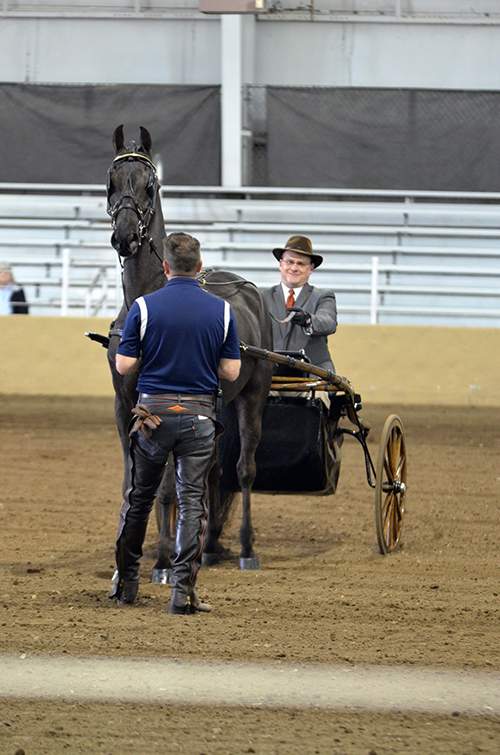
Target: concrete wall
<point>278,49</point>
<point>384,363</point>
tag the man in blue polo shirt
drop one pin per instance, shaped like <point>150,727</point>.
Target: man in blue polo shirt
<point>182,340</point>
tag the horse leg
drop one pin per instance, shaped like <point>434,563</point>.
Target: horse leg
<point>165,516</point>
<point>213,551</point>
<point>250,426</point>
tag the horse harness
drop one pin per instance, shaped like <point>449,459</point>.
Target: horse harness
<point>144,213</point>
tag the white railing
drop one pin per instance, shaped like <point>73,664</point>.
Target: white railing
<point>71,295</point>
<point>387,254</point>
<point>371,282</point>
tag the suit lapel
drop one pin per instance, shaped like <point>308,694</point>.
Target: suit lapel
<point>304,296</point>
<point>280,309</point>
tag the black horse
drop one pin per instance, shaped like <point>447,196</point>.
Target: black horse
<point>134,204</point>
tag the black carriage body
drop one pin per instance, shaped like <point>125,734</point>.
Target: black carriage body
<point>299,450</point>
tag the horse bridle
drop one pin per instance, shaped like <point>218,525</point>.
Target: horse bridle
<point>144,213</point>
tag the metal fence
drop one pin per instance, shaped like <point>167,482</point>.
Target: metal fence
<point>371,138</point>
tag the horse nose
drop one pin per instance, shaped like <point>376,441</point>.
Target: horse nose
<point>133,242</point>
<point>125,247</point>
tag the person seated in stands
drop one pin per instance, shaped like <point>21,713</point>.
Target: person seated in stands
<point>12,299</point>
<point>313,310</point>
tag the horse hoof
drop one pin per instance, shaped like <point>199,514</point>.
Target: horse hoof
<point>163,576</point>
<point>251,563</point>
<point>210,559</point>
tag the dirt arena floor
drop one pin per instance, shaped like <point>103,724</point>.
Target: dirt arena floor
<point>323,595</point>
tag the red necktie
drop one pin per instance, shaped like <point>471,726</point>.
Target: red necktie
<point>291,299</point>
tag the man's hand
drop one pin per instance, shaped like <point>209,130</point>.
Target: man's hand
<point>300,317</point>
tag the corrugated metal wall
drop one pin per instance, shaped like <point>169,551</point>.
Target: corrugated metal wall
<point>155,43</point>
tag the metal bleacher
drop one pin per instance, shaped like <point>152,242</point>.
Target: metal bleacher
<point>391,257</point>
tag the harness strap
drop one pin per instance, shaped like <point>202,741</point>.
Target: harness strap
<point>137,156</point>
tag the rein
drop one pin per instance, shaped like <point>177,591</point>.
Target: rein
<point>202,280</point>
<point>287,318</point>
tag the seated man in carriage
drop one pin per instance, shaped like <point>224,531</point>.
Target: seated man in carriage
<point>313,310</point>
<point>302,318</point>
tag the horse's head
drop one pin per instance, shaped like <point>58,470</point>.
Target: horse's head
<point>132,190</point>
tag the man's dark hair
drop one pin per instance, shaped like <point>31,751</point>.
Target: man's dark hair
<point>182,253</point>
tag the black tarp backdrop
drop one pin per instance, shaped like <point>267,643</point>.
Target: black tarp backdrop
<point>62,134</point>
<point>316,136</point>
<point>357,138</point>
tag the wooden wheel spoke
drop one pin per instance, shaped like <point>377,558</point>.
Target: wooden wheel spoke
<point>398,508</point>
<point>394,448</point>
<point>388,469</point>
<point>388,523</point>
<point>386,509</point>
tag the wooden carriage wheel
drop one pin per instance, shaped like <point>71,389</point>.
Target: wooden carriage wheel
<point>390,488</point>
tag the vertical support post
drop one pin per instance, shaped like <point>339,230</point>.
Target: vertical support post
<point>65,282</point>
<point>231,104</point>
<point>374,292</point>
<point>398,8</point>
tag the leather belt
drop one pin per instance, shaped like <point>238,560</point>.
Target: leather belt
<point>179,403</point>
<point>166,404</point>
<point>184,397</point>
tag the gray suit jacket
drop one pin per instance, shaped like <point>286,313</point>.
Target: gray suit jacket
<point>322,306</point>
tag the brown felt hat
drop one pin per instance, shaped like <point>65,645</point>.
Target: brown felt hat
<point>301,245</point>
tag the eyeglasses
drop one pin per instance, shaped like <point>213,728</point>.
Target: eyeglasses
<point>289,263</point>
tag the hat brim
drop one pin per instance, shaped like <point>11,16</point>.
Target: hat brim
<point>316,259</point>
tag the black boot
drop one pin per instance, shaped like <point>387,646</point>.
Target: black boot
<point>128,591</point>
<point>179,603</point>
<point>184,606</point>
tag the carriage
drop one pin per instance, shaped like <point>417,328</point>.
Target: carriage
<point>303,428</point>
<point>300,447</point>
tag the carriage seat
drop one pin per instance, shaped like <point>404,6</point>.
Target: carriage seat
<point>283,370</point>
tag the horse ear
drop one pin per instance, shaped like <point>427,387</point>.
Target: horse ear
<point>118,140</point>
<point>146,141</point>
